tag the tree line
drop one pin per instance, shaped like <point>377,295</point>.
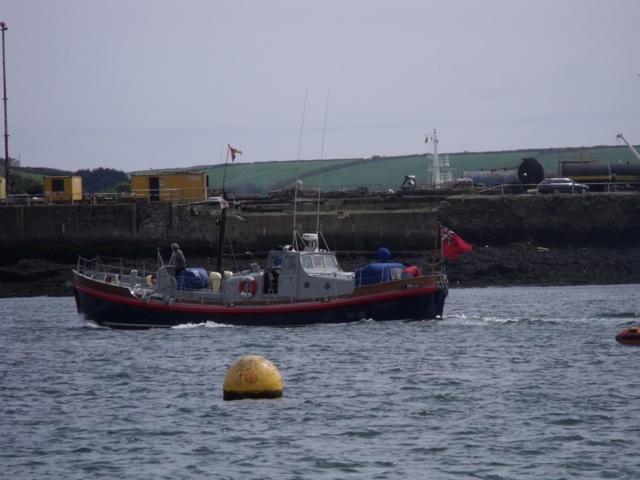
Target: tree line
<point>28,180</point>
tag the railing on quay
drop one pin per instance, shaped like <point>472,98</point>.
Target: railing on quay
<point>182,196</point>
<point>535,189</point>
<point>172,195</point>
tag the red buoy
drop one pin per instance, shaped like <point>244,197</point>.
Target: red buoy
<point>629,336</point>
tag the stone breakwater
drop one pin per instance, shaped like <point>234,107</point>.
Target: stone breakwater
<point>352,224</point>
<point>55,231</point>
<point>560,220</point>
<point>531,239</point>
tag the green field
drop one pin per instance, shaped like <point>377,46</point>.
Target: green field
<point>376,173</point>
<point>381,173</point>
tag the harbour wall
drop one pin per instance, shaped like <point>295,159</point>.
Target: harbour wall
<point>64,231</point>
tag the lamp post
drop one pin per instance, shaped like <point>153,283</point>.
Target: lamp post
<point>3,28</point>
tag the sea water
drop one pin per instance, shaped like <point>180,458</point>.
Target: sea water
<point>515,383</point>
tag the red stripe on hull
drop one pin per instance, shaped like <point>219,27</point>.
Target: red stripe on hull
<point>270,309</point>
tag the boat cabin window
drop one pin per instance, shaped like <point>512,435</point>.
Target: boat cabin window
<point>313,261</point>
<point>307,263</point>
<point>320,262</point>
<point>331,262</point>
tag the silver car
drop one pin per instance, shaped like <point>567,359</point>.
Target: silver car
<point>561,185</point>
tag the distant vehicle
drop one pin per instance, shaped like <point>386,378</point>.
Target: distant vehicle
<point>409,182</point>
<point>561,185</point>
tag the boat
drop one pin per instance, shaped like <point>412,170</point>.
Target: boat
<point>629,336</point>
<point>297,286</point>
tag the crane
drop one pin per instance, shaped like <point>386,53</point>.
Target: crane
<point>634,152</point>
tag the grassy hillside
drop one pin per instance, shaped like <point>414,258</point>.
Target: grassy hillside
<point>376,173</point>
<point>379,173</point>
<point>266,176</point>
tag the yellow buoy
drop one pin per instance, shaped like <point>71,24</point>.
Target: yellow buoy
<point>252,376</point>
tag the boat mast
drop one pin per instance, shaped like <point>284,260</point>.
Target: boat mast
<point>295,192</point>
<point>324,130</point>
<point>221,226</point>
<point>222,220</point>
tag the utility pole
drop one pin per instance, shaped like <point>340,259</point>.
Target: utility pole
<point>3,28</point>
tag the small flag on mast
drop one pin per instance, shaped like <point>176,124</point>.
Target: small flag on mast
<point>234,152</point>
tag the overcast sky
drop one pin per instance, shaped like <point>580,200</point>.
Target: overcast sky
<point>136,84</point>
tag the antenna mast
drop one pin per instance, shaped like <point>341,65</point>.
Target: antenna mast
<point>439,170</point>
<point>436,160</point>
<point>295,191</point>
<point>324,130</point>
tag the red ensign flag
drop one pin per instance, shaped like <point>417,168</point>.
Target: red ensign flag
<point>453,245</point>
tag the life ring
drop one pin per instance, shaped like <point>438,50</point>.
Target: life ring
<point>247,287</point>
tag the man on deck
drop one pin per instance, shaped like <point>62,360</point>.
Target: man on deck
<point>177,259</point>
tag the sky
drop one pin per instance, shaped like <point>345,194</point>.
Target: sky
<point>138,84</point>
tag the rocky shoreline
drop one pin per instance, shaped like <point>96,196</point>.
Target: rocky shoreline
<point>515,264</point>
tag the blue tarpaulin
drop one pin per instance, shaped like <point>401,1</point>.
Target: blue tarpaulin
<point>378,273</point>
<point>193,279</point>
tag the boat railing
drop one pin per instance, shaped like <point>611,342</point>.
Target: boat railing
<point>114,266</point>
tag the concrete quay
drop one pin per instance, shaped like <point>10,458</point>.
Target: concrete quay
<point>63,231</point>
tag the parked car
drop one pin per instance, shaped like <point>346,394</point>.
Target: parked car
<point>561,185</point>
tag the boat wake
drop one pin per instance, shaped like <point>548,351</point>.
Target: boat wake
<point>87,323</point>
<point>200,325</point>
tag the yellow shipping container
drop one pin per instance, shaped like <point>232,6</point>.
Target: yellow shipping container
<point>170,187</point>
<point>62,188</point>
<point>3,189</point>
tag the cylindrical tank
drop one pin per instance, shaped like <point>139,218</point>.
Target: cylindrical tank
<point>491,178</point>
<point>530,171</point>
<point>625,172</point>
<point>585,171</point>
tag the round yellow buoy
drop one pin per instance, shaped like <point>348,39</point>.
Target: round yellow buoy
<point>252,376</point>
